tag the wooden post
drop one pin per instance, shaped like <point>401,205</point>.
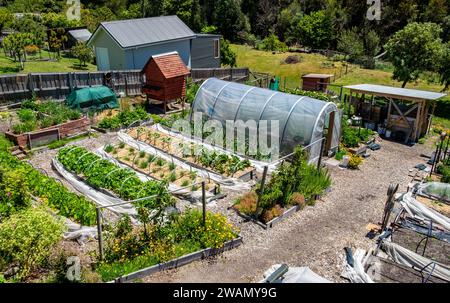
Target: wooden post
<point>261,189</point>
<point>330,130</point>
<point>204,203</point>
<point>322,144</point>
<point>99,231</point>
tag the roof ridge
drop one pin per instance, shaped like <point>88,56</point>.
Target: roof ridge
<point>136,19</point>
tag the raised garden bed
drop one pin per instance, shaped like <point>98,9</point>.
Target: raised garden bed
<point>49,134</point>
<point>286,214</point>
<point>178,262</point>
<point>213,162</point>
<point>158,168</point>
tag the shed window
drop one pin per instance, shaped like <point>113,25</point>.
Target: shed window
<point>216,48</point>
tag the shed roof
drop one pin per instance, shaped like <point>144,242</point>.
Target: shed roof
<point>396,92</point>
<point>319,76</point>
<point>145,31</point>
<point>170,65</point>
<point>80,34</point>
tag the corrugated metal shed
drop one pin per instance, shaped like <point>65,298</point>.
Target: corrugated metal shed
<point>395,92</point>
<point>145,31</point>
<point>80,34</point>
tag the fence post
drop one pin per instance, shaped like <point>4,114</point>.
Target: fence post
<point>319,163</point>
<point>30,84</point>
<point>99,231</point>
<point>261,189</point>
<point>204,203</point>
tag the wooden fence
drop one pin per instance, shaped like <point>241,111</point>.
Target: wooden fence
<point>230,74</point>
<point>19,87</point>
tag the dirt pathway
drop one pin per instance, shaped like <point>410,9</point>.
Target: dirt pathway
<point>316,236</point>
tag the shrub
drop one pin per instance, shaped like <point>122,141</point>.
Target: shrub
<point>31,49</point>
<point>109,148</point>
<point>13,192</point>
<point>141,154</point>
<point>272,43</point>
<point>247,203</point>
<point>297,199</point>
<point>354,161</point>
<point>26,239</point>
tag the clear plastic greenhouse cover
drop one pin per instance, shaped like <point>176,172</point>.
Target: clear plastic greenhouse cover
<point>301,119</point>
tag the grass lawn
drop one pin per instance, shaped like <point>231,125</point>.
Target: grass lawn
<point>65,64</point>
<point>266,62</point>
<point>261,61</point>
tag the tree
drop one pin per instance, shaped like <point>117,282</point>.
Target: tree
<point>187,10</point>
<point>57,39</point>
<point>82,52</point>
<point>350,43</point>
<point>314,30</point>
<point>436,11</point>
<point>16,43</point>
<point>371,48</point>
<point>268,11</point>
<point>287,17</point>
<point>5,18</point>
<point>414,49</point>
<point>227,56</point>
<point>444,69</point>
<point>272,43</point>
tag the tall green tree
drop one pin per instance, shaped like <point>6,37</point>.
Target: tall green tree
<point>5,18</point>
<point>314,30</point>
<point>444,69</point>
<point>229,19</point>
<point>350,42</point>
<point>415,49</point>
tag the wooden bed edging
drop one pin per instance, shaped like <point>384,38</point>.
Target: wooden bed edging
<point>178,262</point>
<point>274,221</point>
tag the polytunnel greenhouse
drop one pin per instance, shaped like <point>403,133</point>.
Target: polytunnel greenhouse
<point>302,120</point>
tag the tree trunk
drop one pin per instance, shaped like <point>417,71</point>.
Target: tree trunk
<point>404,83</point>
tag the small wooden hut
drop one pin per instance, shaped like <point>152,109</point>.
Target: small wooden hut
<point>165,76</point>
<point>316,82</point>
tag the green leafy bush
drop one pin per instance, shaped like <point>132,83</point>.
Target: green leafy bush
<point>27,238</point>
<point>51,192</point>
<point>124,118</point>
<point>129,249</point>
<point>14,193</point>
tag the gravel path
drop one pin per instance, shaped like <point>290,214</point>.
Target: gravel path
<point>316,236</point>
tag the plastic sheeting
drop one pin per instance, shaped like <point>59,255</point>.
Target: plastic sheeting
<point>100,97</point>
<point>258,165</point>
<point>186,192</point>
<point>419,211</point>
<point>81,234</point>
<point>296,275</point>
<point>437,190</point>
<point>99,198</point>
<point>356,273</point>
<point>301,119</point>
<point>409,258</point>
<point>231,183</point>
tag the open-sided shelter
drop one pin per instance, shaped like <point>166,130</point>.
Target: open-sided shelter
<point>302,120</point>
<point>407,112</point>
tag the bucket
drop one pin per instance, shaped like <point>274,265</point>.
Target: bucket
<point>388,133</point>
<point>345,161</point>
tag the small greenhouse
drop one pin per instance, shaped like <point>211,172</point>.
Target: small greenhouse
<point>302,120</point>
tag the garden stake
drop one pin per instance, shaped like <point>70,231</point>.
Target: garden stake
<point>99,231</point>
<point>434,160</point>
<point>204,203</point>
<point>261,189</point>
<point>322,144</point>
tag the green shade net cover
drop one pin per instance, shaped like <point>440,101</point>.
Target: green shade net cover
<point>92,98</point>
